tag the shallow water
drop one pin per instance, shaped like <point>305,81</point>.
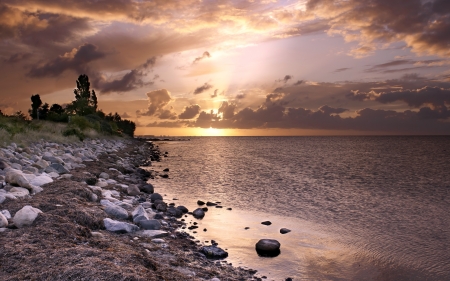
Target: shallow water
<point>360,208</point>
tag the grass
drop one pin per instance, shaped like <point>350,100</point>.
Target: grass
<point>23,132</point>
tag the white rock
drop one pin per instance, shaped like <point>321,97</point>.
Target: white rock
<point>119,227</point>
<point>6,214</point>
<point>104,176</point>
<point>26,216</point>
<point>95,188</point>
<point>2,199</point>
<point>152,233</point>
<point>102,184</point>
<point>116,211</point>
<point>19,192</point>
<point>53,175</point>
<point>111,181</point>
<point>17,177</point>
<point>3,221</point>
<point>158,240</point>
<point>36,189</point>
<point>41,180</point>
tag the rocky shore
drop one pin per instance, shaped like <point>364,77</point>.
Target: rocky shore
<point>86,211</point>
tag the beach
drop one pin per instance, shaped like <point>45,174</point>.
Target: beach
<point>69,240</point>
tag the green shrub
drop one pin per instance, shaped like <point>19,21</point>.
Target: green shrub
<point>74,132</point>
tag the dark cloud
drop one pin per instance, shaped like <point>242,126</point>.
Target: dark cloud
<point>77,60</point>
<point>202,89</point>
<point>215,93</point>
<point>285,79</point>
<point>299,82</point>
<point>330,110</point>
<point>130,81</point>
<point>435,96</point>
<point>190,112</point>
<point>18,57</point>
<point>341,69</point>
<point>422,25</point>
<point>206,54</point>
<point>157,101</point>
<point>227,110</point>
<point>167,114</point>
<point>240,96</point>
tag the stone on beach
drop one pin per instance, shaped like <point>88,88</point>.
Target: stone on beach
<point>116,211</point>
<point>284,230</point>
<point>133,190</point>
<point>183,209</point>
<point>41,180</point>
<point>19,192</point>
<point>266,223</point>
<point>148,188</point>
<point>198,213</point>
<point>268,247</point>
<point>60,169</point>
<point>104,175</point>
<point>118,226</point>
<point>3,221</point>
<point>152,233</point>
<point>18,178</point>
<point>213,252</point>
<point>150,224</point>
<point>139,214</point>
<point>26,216</point>
<point>155,196</point>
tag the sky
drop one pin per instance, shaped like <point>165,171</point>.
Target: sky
<point>192,67</point>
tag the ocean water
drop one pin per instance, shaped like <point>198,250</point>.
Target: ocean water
<point>360,208</point>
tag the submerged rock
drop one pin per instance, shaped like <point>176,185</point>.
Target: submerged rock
<point>198,213</point>
<point>284,230</point>
<point>268,247</point>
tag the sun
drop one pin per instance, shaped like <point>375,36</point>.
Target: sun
<point>211,132</point>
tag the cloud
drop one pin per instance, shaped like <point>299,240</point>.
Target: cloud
<point>423,25</point>
<point>125,115</point>
<point>18,57</point>
<point>202,88</point>
<point>227,110</point>
<point>130,81</point>
<point>205,55</point>
<point>190,112</point>
<point>77,60</point>
<point>299,82</point>
<point>435,96</point>
<point>215,93</point>
<point>285,79</point>
<point>240,96</point>
<point>341,69</point>
<point>157,101</point>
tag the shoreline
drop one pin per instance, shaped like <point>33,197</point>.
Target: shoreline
<point>68,240</point>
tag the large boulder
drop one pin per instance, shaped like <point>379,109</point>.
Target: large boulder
<point>116,211</point>
<point>148,188</point>
<point>150,224</point>
<point>119,227</point>
<point>268,247</point>
<point>174,212</point>
<point>26,216</point>
<point>183,209</point>
<point>213,252</point>
<point>3,221</point>
<point>16,177</point>
<point>198,213</point>
<point>133,190</point>
<point>156,196</point>
<point>19,192</point>
<point>139,214</point>
<point>41,180</point>
<point>60,169</point>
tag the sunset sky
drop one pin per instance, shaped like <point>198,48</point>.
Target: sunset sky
<point>307,67</point>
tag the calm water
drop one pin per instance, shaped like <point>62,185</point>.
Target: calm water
<point>360,208</point>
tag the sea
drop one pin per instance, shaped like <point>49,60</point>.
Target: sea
<point>358,207</point>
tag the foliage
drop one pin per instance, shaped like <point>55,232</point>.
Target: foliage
<point>85,100</point>
<point>35,104</point>
<point>82,115</point>
<point>71,131</point>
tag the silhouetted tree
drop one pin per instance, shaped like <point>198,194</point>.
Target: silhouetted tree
<point>56,108</point>
<point>35,104</point>
<point>43,111</point>
<point>85,100</point>
<point>1,113</point>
